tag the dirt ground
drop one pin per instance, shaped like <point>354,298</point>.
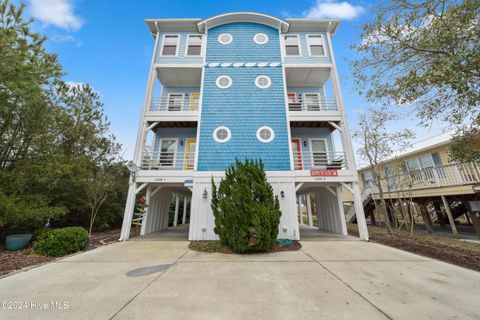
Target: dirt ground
<point>454,251</point>
<point>20,259</point>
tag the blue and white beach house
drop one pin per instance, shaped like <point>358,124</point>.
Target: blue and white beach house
<point>243,85</point>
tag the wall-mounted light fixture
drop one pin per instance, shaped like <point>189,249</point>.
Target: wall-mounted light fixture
<point>282,194</point>
<point>304,143</point>
<point>285,228</point>
<point>205,193</point>
<point>181,142</point>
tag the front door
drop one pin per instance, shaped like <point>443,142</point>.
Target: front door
<point>175,101</point>
<point>297,154</point>
<point>189,162</point>
<point>318,149</point>
<point>312,101</point>
<point>168,150</point>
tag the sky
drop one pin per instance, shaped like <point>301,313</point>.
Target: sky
<point>106,44</point>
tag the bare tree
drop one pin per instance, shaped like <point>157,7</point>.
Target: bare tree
<point>377,144</point>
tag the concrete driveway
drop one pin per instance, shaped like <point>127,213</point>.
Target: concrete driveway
<point>339,279</point>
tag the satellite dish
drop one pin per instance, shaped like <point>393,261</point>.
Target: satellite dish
<point>132,167</point>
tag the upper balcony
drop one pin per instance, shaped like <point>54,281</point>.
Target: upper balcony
<point>310,97</point>
<point>176,94</point>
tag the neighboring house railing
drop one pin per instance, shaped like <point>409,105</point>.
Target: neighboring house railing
<point>168,160</point>
<point>175,103</point>
<point>319,160</point>
<point>450,175</point>
<point>322,104</point>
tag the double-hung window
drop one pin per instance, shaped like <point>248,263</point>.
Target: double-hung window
<point>170,45</point>
<point>194,45</point>
<point>316,45</point>
<point>292,45</point>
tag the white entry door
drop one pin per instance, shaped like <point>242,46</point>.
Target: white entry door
<point>168,152</point>
<point>318,151</point>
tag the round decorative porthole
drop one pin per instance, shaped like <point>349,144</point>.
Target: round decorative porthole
<point>225,38</point>
<point>224,82</point>
<point>263,82</point>
<point>222,134</point>
<point>260,38</point>
<point>265,134</point>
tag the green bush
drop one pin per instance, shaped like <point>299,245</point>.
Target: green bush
<point>62,241</point>
<point>246,213</point>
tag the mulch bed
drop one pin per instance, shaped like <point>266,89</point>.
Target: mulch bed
<point>454,251</point>
<point>16,260</point>
<point>215,246</point>
<point>11,261</point>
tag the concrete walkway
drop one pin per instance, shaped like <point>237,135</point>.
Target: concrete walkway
<point>164,280</point>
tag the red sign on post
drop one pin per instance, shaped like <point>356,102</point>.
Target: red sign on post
<point>324,173</point>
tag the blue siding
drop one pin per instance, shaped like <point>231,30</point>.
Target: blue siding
<point>303,90</point>
<point>181,133</point>
<point>189,90</point>
<point>180,58</point>
<point>307,133</point>
<point>305,58</point>
<point>243,107</point>
<point>243,48</point>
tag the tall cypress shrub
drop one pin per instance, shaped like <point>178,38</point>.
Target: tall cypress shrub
<point>247,214</point>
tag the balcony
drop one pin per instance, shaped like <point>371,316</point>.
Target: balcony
<point>314,104</point>
<point>319,160</point>
<point>175,103</point>
<point>451,175</point>
<point>168,160</point>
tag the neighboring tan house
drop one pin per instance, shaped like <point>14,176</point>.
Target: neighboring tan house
<point>438,187</point>
<point>242,85</point>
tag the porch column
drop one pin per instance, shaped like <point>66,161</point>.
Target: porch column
<point>177,204</point>
<point>146,209</point>
<point>450,217</point>
<point>475,217</point>
<point>300,215</point>
<point>184,217</point>
<point>309,210</point>
<point>426,218</point>
<point>127,216</point>
<point>359,213</point>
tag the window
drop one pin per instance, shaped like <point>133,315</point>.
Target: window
<point>194,45</point>
<point>170,44</point>
<point>367,179</point>
<point>316,45</point>
<point>224,82</point>
<point>222,134</point>
<point>260,38</point>
<point>263,82</point>
<point>292,45</point>
<point>225,38</point>
<point>265,134</point>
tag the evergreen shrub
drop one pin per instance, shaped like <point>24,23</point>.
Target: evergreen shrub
<point>247,214</point>
<point>62,241</point>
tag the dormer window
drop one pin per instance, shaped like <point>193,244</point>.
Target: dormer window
<point>316,45</point>
<point>292,45</point>
<point>170,45</point>
<point>194,45</point>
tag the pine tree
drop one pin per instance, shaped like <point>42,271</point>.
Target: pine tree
<point>247,214</point>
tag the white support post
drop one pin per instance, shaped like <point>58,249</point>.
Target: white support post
<point>184,217</point>
<point>146,209</point>
<point>359,213</point>
<point>300,216</point>
<point>309,210</point>
<point>177,203</point>
<point>450,217</point>
<point>347,147</point>
<point>128,214</point>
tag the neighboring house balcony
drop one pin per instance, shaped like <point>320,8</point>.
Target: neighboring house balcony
<point>461,176</point>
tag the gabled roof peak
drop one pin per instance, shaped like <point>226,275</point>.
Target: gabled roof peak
<point>242,17</point>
